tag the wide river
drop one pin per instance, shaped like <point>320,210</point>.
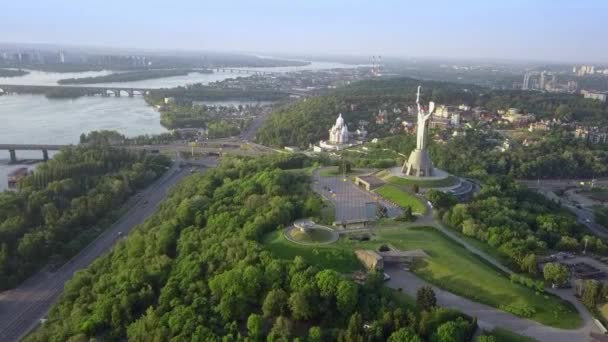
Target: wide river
<point>38,120</point>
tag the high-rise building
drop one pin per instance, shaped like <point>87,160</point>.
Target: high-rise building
<point>542,81</point>
<point>61,56</point>
<point>526,84</point>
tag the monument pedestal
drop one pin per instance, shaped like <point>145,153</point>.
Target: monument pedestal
<point>419,164</point>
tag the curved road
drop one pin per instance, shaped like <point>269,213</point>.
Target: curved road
<point>22,308</point>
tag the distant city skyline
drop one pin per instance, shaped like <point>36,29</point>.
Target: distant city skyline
<point>543,30</point>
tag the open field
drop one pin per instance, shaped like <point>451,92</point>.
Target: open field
<point>504,335</point>
<point>450,266</point>
<point>402,198</point>
<point>333,171</point>
<point>438,183</point>
<point>311,236</point>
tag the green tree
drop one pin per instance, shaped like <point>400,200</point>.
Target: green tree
<point>592,292</point>
<point>347,297</point>
<point>354,331</point>
<point>425,298</point>
<point>327,282</point>
<point>404,335</point>
<point>449,332</point>
<point>255,326</point>
<point>281,330</point>
<point>485,338</point>
<point>556,273</point>
<point>563,112</point>
<point>315,334</point>
<point>299,305</point>
<point>275,303</point>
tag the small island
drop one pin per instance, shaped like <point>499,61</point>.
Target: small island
<point>131,76</point>
<point>13,72</point>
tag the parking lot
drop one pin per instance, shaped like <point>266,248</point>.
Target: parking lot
<point>351,202</point>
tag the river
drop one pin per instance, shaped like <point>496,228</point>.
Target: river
<point>38,120</point>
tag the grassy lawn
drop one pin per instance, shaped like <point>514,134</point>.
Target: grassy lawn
<point>450,266</point>
<point>504,335</point>
<point>603,309</point>
<point>439,183</point>
<point>402,198</point>
<point>484,247</point>
<point>333,256</point>
<point>311,236</point>
<point>328,213</point>
<point>333,171</point>
<point>305,171</point>
<point>598,194</point>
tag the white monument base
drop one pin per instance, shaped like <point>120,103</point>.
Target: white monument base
<point>437,174</point>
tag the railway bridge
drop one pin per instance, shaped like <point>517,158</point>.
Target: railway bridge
<point>13,148</point>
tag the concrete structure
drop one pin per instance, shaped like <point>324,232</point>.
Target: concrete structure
<point>13,148</point>
<point>419,163</point>
<point>370,259</point>
<point>373,260</point>
<point>369,183</point>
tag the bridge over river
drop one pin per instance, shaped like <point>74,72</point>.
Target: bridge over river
<point>212,147</point>
<point>13,148</point>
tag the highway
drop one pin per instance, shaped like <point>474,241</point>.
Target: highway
<point>584,215</point>
<point>22,308</point>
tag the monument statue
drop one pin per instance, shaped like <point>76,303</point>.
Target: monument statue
<point>419,163</point>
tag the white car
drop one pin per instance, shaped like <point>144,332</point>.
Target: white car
<point>387,277</point>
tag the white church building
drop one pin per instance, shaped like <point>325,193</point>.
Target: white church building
<point>339,137</point>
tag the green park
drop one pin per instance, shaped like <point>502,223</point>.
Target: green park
<point>449,266</point>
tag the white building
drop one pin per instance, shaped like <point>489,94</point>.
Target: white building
<point>600,96</point>
<point>338,134</point>
<point>340,137</point>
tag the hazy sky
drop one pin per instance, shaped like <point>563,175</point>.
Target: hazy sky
<point>559,30</point>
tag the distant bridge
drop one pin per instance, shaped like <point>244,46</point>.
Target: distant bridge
<point>213,147</point>
<point>13,148</point>
<point>245,71</point>
<point>83,90</point>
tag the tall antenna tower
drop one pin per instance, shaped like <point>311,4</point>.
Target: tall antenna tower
<point>373,69</point>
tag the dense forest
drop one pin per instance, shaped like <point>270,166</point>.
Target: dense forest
<point>65,203</point>
<point>196,271</point>
<point>129,76</point>
<point>199,92</point>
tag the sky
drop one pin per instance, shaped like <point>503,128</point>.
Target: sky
<point>549,30</point>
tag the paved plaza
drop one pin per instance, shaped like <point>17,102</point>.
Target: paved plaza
<point>351,202</point>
